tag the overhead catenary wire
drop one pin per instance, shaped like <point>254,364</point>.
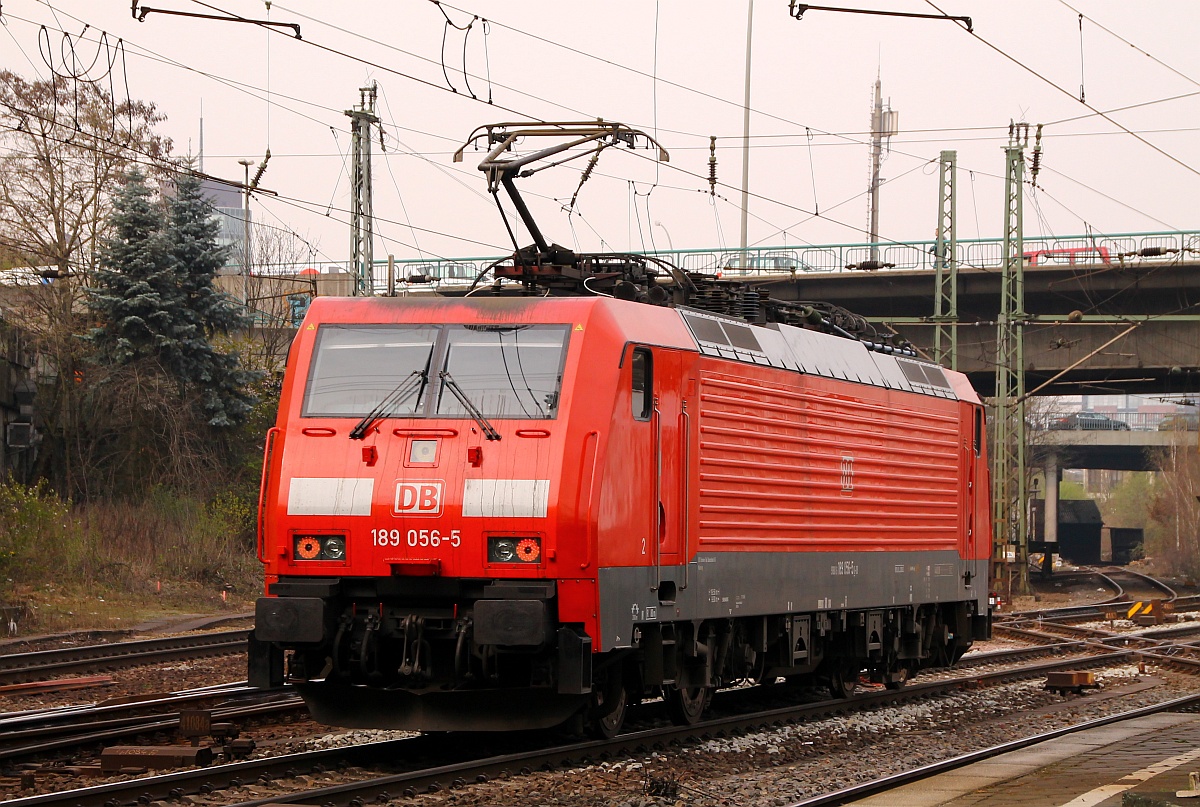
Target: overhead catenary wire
<point>1140,50</point>
<point>449,138</point>
<point>400,73</point>
<point>1059,88</point>
<point>808,135</point>
<point>760,196</point>
<point>151,161</point>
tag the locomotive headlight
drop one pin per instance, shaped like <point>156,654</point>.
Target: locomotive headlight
<point>504,549</point>
<point>335,547</point>
<point>319,547</point>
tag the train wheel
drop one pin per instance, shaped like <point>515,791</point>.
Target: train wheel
<point>609,725</point>
<point>685,706</point>
<point>843,679</point>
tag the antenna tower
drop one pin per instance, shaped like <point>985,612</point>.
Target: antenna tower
<point>884,124</point>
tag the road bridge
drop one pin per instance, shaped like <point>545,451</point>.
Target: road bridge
<point>1107,314</point>
<point>1126,450</point>
<point>1112,450</point>
<point>1091,328</point>
<point>1098,322</point>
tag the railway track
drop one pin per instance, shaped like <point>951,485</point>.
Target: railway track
<point>439,763</point>
<point>59,730</point>
<point>62,730</point>
<point>441,766</point>
<point>1128,587</point>
<point>18,668</point>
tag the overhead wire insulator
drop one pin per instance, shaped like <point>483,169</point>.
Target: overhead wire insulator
<point>262,167</point>
<point>1036,164</point>
<point>587,172</point>
<point>712,165</point>
<point>870,266</point>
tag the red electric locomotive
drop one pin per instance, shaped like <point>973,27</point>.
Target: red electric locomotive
<point>486,512</point>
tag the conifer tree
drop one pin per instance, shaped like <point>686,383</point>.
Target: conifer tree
<point>205,311</point>
<point>153,297</point>
<point>131,291</point>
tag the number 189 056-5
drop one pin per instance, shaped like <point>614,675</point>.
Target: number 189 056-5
<point>429,538</point>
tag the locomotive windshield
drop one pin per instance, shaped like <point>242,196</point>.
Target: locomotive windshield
<point>504,371</point>
<point>507,371</point>
<point>355,367</point>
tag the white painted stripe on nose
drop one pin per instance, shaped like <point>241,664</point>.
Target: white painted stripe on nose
<point>506,498</point>
<point>330,496</point>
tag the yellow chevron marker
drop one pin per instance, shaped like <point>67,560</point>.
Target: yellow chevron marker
<point>1137,607</point>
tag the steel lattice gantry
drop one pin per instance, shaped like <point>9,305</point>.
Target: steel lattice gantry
<point>1008,422</point>
<point>945,258</point>
<point>362,219</point>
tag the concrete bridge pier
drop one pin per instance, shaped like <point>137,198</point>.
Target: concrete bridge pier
<point>1051,473</point>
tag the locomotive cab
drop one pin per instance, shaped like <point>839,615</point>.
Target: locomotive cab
<point>425,511</point>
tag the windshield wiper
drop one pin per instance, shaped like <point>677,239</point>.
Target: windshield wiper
<point>414,382</point>
<point>489,431</point>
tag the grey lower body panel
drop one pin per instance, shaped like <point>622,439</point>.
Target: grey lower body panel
<point>718,585</point>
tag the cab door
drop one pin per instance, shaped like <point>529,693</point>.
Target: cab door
<point>670,425</point>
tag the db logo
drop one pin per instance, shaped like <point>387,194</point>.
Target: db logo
<point>419,498</point>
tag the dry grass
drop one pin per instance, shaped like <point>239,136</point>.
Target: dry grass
<point>112,564</point>
<point>51,609</point>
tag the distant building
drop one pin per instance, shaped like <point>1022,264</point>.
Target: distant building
<point>227,203</point>
<point>1079,525</point>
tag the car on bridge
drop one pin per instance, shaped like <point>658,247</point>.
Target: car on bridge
<point>779,262</point>
<point>1088,421</point>
<point>1185,421</point>
<point>1068,256</point>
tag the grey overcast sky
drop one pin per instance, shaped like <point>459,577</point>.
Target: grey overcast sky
<point>672,68</point>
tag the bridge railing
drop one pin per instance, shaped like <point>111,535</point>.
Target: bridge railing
<point>978,253</point>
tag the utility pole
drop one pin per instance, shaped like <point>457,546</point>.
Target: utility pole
<point>945,260</point>
<point>362,220</point>
<point>884,124</point>
<point>746,142</point>
<point>247,248</point>
<point>246,231</point>
<point>1008,422</point>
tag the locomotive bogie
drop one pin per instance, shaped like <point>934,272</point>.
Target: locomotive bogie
<point>502,513</point>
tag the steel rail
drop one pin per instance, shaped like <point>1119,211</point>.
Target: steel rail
<point>21,667</point>
<point>34,740</point>
<point>1146,580</point>
<point>1091,612</point>
<point>49,712</point>
<point>10,721</point>
<point>132,727</point>
<point>1116,601</point>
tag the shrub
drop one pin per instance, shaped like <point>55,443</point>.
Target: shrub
<point>35,529</point>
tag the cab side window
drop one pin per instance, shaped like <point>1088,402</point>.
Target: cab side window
<point>643,383</point>
<point>978,430</point>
